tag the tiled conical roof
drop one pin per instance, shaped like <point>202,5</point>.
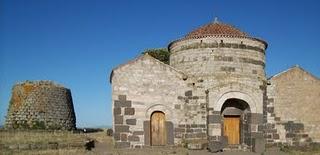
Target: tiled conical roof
<point>216,28</point>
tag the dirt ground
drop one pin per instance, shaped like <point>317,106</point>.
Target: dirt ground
<point>104,146</point>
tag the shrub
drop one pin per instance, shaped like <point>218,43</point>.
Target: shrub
<point>161,54</point>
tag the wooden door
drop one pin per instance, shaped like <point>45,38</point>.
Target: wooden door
<point>158,129</point>
<point>232,129</point>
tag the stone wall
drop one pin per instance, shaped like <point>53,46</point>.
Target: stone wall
<point>251,117</point>
<point>203,74</point>
<point>206,74</point>
<point>194,108</point>
<point>222,68</point>
<point>139,88</point>
<point>220,59</point>
<point>40,105</point>
<point>293,108</point>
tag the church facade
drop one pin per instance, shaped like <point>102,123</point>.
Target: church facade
<point>214,92</point>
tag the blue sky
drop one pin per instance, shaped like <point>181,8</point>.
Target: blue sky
<point>77,42</point>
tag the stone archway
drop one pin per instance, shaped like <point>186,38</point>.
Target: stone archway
<point>234,114</point>
<point>237,95</point>
<point>159,107</point>
<point>161,113</point>
<point>251,124</point>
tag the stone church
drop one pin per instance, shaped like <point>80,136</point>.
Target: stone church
<point>214,92</point>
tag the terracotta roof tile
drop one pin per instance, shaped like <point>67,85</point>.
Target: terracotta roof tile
<point>216,28</point>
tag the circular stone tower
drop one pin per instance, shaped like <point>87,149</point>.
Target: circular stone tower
<point>226,72</point>
<point>40,105</point>
<point>218,53</point>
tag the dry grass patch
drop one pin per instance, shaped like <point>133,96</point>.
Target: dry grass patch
<point>43,142</point>
<point>29,137</point>
<point>47,152</point>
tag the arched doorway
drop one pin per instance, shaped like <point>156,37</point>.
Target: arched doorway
<point>235,124</point>
<point>158,129</point>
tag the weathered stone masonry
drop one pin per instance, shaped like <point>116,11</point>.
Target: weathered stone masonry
<point>216,73</point>
<point>139,89</point>
<point>293,108</point>
<point>229,67</point>
<point>40,105</point>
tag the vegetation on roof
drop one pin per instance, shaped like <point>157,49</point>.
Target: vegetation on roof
<point>161,54</point>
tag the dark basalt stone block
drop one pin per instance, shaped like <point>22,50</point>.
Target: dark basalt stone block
<point>170,134</point>
<point>215,146</point>
<point>122,144</point>
<point>258,145</point>
<point>118,104</point>
<point>146,128</point>
<point>138,133</point>
<point>214,119</point>
<point>177,106</point>
<point>116,136</point>
<point>131,121</point>
<point>118,119</point>
<point>256,118</point>
<point>188,93</point>
<point>117,111</point>
<point>133,138</point>
<point>129,111</point>
<point>122,97</point>
<point>121,128</point>
<point>123,137</point>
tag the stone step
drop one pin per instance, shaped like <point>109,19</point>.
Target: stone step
<point>236,148</point>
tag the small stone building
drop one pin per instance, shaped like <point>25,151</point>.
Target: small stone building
<point>293,108</point>
<point>214,91</point>
<point>40,105</point>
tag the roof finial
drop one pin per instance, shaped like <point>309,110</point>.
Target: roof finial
<point>215,20</point>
